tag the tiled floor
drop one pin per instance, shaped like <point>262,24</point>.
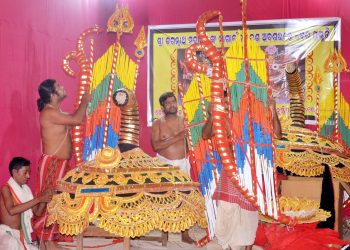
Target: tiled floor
<point>174,242</point>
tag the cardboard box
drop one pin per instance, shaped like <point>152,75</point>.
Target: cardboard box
<point>310,187</point>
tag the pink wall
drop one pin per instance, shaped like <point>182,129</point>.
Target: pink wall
<point>35,35</point>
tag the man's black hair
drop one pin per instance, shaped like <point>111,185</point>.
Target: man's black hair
<point>45,89</point>
<point>17,163</point>
<point>164,97</point>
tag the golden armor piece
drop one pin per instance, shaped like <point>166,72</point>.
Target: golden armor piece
<point>297,109</point>
<point>303,152</point>
<point>129,130</point>
<point>305,210</point>
<point>302,209</point>
<point>138,195</point>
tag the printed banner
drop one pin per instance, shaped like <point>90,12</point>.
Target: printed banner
<point>305,41</point>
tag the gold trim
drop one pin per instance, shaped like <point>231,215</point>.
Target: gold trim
<point>133,216</point>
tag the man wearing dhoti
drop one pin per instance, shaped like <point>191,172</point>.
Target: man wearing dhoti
<point>17,206</point>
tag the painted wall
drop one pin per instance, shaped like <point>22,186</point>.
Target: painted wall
<point>35,36</point>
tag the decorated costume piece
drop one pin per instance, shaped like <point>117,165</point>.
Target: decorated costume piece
<point>127,194</point>
<point>116,186</point>
<point>246,151</point>
<point>18,239</point>
<point>304,152</point>
<point>308,153</point>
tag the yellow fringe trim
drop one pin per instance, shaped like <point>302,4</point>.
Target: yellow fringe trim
<point>302,209</point>
<point>125,67</point>
<point>133,216</point>
<point>309,163</point>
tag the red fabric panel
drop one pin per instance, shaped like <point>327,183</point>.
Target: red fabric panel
<point>301,237</point>
<point>35,35</point>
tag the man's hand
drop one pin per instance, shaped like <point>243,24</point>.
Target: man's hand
<point>180,135</point>
<point>271,102</point>
<point>183,133</point>
<point>46,196</point>
<point>86,98</point>
<point>210,108</point>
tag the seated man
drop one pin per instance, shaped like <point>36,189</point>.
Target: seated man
<point>17,206</point>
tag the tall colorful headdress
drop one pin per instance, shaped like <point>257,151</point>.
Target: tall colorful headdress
<point>243,145</point>
<point>246,149</point>
<point>115,185</point>
<point>112,71</point>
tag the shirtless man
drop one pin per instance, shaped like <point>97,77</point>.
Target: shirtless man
<point>17,206</point>
<point>56,143</point>
<point>54,123</point>
<point>169,134</point>
<point>169,140</point>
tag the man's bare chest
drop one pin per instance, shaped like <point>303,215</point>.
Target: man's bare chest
<point>169,128</point>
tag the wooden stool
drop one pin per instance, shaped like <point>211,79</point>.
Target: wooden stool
<point>93,231</point>
<point>163,238</point>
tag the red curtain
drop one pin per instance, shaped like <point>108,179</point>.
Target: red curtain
<point>35,36</point>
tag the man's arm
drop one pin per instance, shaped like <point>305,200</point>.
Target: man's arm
<point>207,130</point>
<point>56,117</point>
<point>159,144</point>
<point>17,209</point>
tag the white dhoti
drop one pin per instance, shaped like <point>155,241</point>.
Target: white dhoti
<point>184,163</point>
<point>235,227</point>
<point>10,239</point>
